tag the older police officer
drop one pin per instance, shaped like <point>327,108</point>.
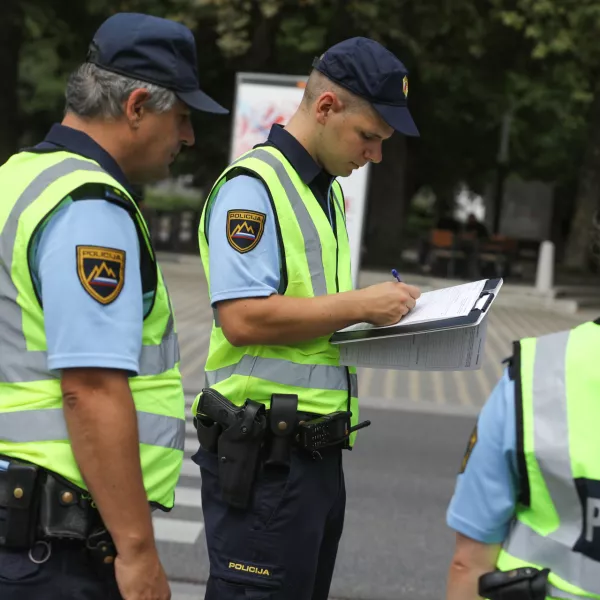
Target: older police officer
<point>276,254</point>
<point>91,401</point>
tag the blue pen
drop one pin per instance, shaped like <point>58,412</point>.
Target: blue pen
<point>396,275</point>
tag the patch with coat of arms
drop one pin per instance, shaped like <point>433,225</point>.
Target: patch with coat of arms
<point>244,229</point>
<point>101,272</point>
<point>469,450</point>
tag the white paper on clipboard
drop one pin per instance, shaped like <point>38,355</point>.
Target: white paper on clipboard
<point>446,303</point>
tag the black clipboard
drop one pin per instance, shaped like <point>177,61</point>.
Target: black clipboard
<point>489,291</point>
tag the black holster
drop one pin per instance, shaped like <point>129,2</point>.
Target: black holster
<point>525,583</point>
<point>238,447</point>
<point>208,432</point>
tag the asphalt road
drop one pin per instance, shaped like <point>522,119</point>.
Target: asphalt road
<point>399,478</point>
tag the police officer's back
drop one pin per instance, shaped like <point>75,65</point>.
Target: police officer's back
<point>91,402</point>
<point>526,505</point>
<point>281,408</point>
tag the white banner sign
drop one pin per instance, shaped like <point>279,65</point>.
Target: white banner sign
<point>262,100</point>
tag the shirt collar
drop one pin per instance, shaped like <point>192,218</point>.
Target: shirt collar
<point>302,162</point>
<point>81,143</point>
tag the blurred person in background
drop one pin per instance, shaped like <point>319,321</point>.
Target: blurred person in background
<point>475,226</point>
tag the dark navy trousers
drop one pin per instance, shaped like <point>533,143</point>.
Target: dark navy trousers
<point>67,575</point>
<point>284,545</point>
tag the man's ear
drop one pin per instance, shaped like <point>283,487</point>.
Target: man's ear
<point>134,107</point>
<point>326,104</point>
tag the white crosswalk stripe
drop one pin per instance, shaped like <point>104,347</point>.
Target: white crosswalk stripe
<point>176,531</point>
<point>191,445</point>
<point>171,527</point>
<point>188,496</point>
<point>190,469</point>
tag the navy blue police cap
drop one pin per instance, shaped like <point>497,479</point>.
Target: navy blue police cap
<point>369,70</point>
<point>153,50</point>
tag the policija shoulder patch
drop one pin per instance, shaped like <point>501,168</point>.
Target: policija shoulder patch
<point>244,229</point>
<point>101,272</point>
<point>469,450</point>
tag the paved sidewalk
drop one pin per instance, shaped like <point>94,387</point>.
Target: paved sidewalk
<point>190,591</point>
<point>187,591</point>
<point>462,391</point>
<point>400,478</point>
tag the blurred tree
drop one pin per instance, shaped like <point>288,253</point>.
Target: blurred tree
<point>469,60</point>
<point>564,43</point>
<point>11,32</point>
<point>469,65</point>
<point>55,41</point>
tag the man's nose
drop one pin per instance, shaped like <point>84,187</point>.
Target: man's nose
<point>374,153</point>
<point>188,137</point>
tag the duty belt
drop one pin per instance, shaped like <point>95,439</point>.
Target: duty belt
<point>240,434</point>
<point>40,506</point>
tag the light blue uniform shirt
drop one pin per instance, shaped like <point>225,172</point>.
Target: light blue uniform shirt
<point>484,500</point>
<point>80,331</point>
<point>256,273</point>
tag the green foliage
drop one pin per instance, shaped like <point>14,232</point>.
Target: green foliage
<point>563,43</point>
<point>169,200</point>
<point>470,62</point>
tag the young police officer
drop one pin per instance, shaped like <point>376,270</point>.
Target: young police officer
<point>276,255</point>
<point>87,337</point>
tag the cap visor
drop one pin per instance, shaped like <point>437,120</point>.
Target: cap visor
<point>198,100</point>
<point>398,117</point>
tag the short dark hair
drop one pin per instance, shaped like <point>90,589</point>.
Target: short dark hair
<point>318,84</point>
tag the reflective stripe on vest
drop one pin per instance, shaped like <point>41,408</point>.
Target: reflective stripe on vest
<point>48,425</point>
<point>313,250</point>
<point>554,592</point>
<point>323,377</point>
<point>551,443</point>
<point>28,366</point>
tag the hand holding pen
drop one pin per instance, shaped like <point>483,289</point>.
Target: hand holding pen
<point>386,303</point>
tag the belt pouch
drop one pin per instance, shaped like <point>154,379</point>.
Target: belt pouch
<point>65,512</point>
<point>282,420</point>
<point>18,495</point>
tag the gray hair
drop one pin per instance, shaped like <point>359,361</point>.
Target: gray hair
<point>95,92</point>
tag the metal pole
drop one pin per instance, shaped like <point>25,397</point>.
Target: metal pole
<point>502,167</point>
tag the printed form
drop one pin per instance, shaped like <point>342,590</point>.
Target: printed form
<point>450,350</point>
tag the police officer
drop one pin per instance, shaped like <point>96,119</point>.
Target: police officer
<point>87,334</point>
<point>276,255</point>
<point>528,496</point>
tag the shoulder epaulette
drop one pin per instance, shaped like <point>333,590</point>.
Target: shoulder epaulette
<point>102,191</point>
